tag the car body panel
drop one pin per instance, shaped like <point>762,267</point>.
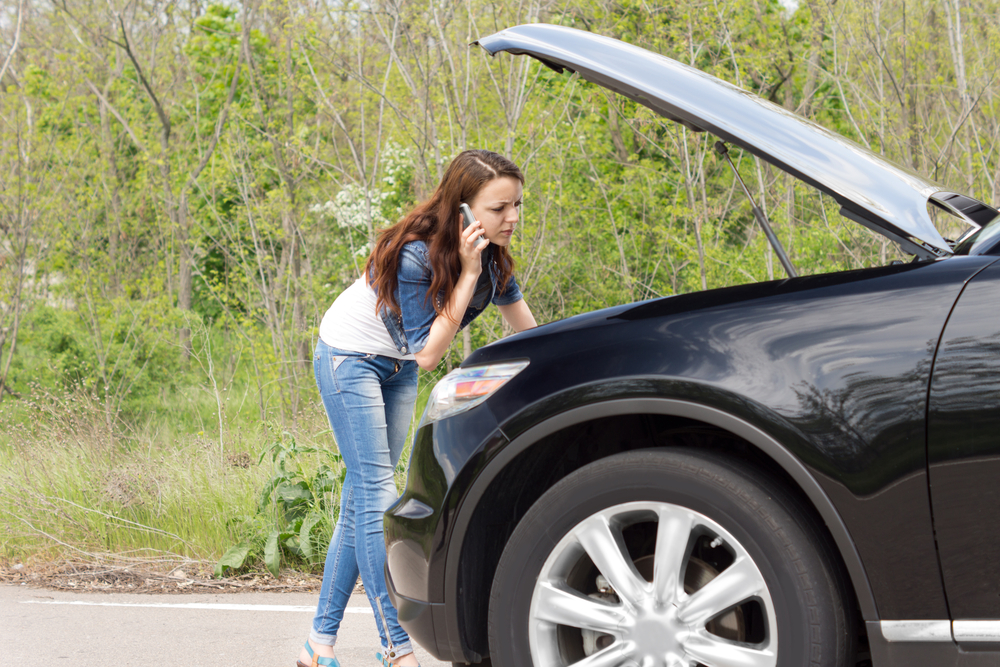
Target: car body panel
<point>419,540</point>
<point>647,404</point>
<point>885,195</point>
<point>835,368</point>
<point>964,450</point>
<point>786,356</point>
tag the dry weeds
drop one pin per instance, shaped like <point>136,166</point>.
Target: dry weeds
<point>150,577</point>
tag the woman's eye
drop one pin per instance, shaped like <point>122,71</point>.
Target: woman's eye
<point>497,210</point>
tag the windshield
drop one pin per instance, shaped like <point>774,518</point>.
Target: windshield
<point>975,239</point>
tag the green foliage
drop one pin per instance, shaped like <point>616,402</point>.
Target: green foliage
<point>301,504</point>
<point>71,488</point>
<point>122,351</point>
<point>233,559</point>
<point>172,283</point>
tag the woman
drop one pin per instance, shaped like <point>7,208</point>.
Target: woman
<point>426,278</point>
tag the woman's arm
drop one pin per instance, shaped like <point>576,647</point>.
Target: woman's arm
<point>518,315</point>
<point>445,326</point>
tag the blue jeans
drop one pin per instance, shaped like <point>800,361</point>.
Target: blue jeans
<point>369,400</point>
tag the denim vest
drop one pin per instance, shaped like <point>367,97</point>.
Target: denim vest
<point>409,330</point>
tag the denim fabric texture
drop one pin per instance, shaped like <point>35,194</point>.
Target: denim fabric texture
<point>409,332</point>
<point>369,399</point>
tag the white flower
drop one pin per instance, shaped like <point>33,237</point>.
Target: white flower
<point>357,207</point>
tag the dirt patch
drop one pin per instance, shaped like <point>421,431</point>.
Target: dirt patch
<point>158,577</point>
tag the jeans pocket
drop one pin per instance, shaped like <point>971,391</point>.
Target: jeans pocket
<point>338,368</point>
<point>336,360</point>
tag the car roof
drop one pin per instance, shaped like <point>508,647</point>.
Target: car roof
<point>871,190</point>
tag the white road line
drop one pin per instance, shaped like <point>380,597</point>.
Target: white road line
<point>201,605</point>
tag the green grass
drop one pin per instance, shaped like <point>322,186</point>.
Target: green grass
<point>74,484</point>
<point>175,499</point>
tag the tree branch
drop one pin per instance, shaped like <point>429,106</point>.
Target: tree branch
<point>111,108</point>
<point>164,120</point>
<point>224,115</point>
<point>17,38</point>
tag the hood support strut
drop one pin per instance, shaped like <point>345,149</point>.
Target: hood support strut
<point>723,150</point>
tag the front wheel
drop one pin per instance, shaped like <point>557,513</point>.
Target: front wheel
<point>668,558</point>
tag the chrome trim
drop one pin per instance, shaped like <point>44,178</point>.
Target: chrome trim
<point>891,197</point>
<point>916,631</point>
<point>977,631</point>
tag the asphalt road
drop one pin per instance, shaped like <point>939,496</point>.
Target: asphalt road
<point>43,627</point>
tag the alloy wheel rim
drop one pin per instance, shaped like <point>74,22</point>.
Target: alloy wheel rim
<point>681,614</point>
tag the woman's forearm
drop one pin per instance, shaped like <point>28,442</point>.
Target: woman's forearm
<point>445,326</point>
<point>518,315</point>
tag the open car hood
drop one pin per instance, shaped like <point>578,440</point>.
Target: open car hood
<point>871,190</point>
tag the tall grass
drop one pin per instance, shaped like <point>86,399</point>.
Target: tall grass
<point>71,486</point>
<point>74,486</point>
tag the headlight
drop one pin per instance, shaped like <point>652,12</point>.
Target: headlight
<point>465,388</point>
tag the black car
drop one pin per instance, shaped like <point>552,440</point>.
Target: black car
<point>797,472</point>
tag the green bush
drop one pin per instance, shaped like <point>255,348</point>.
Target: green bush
<point>296,510</point>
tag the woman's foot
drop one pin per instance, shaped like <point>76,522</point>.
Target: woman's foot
<point>320,650</point>
<point>408,660</point>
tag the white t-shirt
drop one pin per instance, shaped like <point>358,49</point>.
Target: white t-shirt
<point>352,323</point>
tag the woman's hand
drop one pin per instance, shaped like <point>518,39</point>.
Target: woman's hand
<point>470,248</point>
<point>471,244</point>
<point>444,327</point>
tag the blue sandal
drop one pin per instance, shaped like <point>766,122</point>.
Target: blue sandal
<point>317,660</point>
<point>381,658</point>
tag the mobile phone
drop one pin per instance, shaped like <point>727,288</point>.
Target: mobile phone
<point>467,217</point>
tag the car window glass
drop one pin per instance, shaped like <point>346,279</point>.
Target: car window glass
<point>973,242</point>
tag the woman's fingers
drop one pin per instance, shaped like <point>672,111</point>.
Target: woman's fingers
<point>473,234</point>
<point>472,230</point>
<point>474,241</point>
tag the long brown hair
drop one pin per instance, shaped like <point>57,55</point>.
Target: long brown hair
<point>436,222</point>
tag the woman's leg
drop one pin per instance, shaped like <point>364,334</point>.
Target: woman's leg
<point>383,415</point>
<point>369,400</point>
<point>399,393</point>
<point>340,572</point>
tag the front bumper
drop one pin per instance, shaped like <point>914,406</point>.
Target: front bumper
<point>425,623</point>
<point>419,529</point>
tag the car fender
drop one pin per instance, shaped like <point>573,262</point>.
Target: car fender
<point>757,437</point>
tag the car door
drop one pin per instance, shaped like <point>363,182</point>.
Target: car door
<point>964,458</point>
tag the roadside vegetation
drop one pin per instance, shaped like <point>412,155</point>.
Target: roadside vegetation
<point>185,187</point>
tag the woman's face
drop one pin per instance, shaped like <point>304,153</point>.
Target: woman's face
<point>497,206</point>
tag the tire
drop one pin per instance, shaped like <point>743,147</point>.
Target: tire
<point>669,557</point>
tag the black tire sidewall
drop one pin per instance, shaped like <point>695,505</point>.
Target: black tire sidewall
<point>797,576</point>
